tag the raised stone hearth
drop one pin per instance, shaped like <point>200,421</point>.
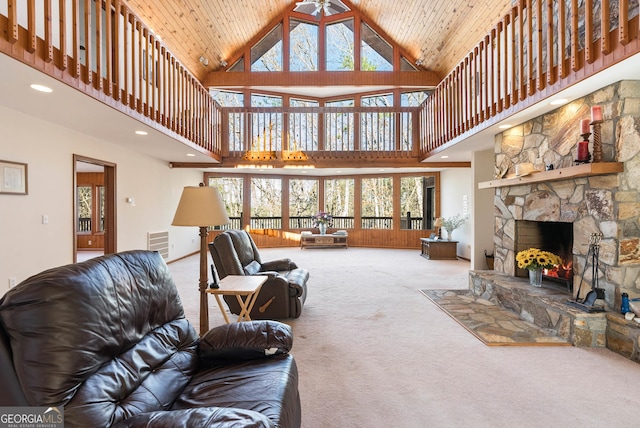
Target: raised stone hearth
<point>544,307</point>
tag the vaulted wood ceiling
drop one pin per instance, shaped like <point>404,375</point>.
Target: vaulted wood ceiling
<point>440,33</point>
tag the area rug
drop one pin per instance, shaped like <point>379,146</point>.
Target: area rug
<point>492,324</point>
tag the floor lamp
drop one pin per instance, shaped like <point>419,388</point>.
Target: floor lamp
<point>202,207</point>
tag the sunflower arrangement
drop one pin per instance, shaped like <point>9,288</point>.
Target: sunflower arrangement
<point>533,259</point>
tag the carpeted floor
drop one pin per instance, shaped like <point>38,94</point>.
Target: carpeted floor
<point>493,325</point>
<point>373,352</point>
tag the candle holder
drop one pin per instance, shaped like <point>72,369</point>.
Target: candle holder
<point>597,142</point>
<point>583,155</point>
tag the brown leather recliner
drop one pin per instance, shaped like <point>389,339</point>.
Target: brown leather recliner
<point>282,296</point>
<point>106,342</point>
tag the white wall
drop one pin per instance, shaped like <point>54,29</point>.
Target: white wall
<point>27,246</point>
<point>455,185</point>
<point>483,206</point>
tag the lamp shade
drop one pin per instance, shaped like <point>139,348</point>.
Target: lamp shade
<point>438,222</point>
<point>200,206</point>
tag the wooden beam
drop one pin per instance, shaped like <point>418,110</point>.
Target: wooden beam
<point>418,79</point>
<point>320,164</point>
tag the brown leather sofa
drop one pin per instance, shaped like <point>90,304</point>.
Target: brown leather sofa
<point>282,296</point>
<point>107,342</point>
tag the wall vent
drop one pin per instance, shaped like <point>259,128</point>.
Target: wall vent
<point>159,241</point>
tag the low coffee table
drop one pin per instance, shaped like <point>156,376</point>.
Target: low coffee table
<point>240,286</point>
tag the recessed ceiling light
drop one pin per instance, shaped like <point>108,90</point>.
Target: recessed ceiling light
<point>444,157</point>
<point>505,126</point>
<point>191,155</point>
<point>41,88</point>
<point>142,132</point>
<point>559,102</point>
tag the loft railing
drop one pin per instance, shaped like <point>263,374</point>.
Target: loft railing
<point>539,48</point>
<point>101,48</point>
<point>296,133</point>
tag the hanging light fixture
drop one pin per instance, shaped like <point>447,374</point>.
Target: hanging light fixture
<point>320,5</point>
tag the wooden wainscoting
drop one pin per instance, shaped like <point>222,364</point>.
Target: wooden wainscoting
<point>272,238</point>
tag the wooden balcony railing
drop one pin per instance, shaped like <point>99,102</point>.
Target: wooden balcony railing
<point>102,49</point>
<point>541,47</point>
<point>306,222</point>
<point>299,133</point>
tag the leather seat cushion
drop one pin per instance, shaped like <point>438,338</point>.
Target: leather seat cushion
<point>259,385</point>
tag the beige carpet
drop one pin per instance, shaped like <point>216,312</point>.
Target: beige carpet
<point>373,352</point>
<point>490,323</point>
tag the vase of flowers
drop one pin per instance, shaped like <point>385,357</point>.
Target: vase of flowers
<point>535,260</point>
<point>452,223</point>
<point>322,220</point>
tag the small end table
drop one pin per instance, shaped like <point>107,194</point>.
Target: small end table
<point>439,249</point>
<point>240,286</point>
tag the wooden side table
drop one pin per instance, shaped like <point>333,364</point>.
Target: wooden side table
<point>240,286</point>
<point>438,249</point>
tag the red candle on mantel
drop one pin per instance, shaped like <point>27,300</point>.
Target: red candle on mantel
<point>585,126</point>
<point>596,114</point>
<point>583,151</point>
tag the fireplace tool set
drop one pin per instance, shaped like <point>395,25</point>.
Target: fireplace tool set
<point>587,304</point>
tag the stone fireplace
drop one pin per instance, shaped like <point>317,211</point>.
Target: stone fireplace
<point>569,203</point>
<point>595,201</point>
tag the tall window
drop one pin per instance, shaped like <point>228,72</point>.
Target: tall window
<point>267,126</point>
<point>411,202</point>
<point>304,46</point>
<point>90,208</point>
<point>340,40</point>
<point>231,191</point>
<point>409,99</point>
<point>340,127</point>
<point>266,203</point>
<point>101,196</point>
<point>85,208</point>
<point>377,130</point>
<point>377,203</point>
<point>235,120</point>
<point>303,202</point>
<point>339,201</point>
<point>303,127</point>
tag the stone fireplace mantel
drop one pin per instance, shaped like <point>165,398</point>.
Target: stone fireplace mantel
<point>583,170</point>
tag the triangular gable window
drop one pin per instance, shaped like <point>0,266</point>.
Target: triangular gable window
<point>266,55</point>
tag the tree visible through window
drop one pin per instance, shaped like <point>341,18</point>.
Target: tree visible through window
<point>303,202</point>
<point>339,201</point>
<point>411,202</point>
<point>230,189</point>
<point>377,203</point>
<point>266,203</point>
<point>85,208</point>
<point>304,46</point>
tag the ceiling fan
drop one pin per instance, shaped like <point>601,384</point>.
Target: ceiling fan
<point>320,5</point>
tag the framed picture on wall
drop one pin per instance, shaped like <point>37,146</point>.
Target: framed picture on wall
<point>13,178</point>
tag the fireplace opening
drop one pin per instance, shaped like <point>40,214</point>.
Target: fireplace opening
<point>556,237</point>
